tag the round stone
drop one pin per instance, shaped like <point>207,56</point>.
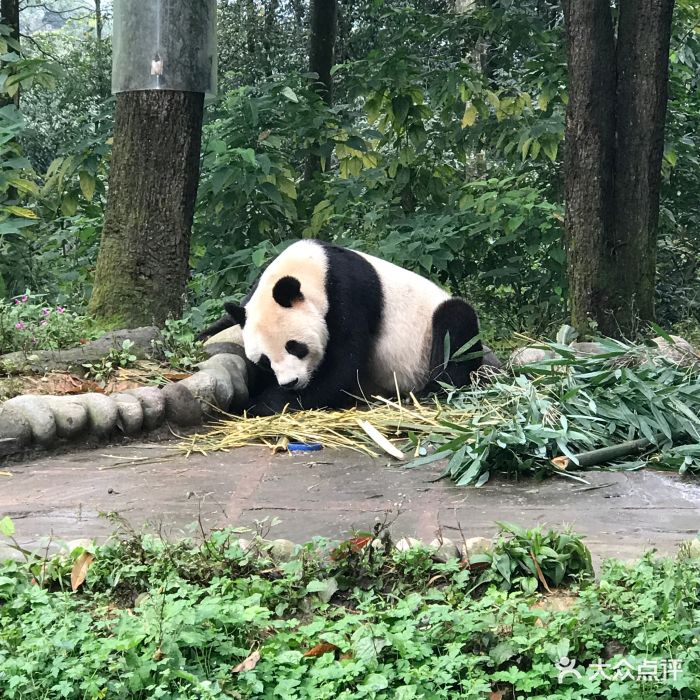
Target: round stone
<point>181,407</point>
<point>152,405</point>
<point>102,412</point>
<point>224,386</point>
<point>130,420</point>
<point>15,430</point>
<point>36,412</point>
<point>70,415</point>
<point>445,549</point>
<point>203,387</point>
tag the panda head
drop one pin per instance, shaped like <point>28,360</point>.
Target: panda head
<point>283,331</point>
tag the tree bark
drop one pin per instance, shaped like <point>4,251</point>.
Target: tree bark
<point>644,34</point>
<point>142,267</point>
<point>9,15</point>
<point>321,45</point>
<point>590,158</point>
<point>322,34</point>
<point>614,146</point>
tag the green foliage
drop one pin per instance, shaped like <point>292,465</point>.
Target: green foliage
<point>571,404</point>
<point>28,323</point>
<point>116,359</point>
<point>534,560</point>
<point>177,344</point>
<point>214,619</point>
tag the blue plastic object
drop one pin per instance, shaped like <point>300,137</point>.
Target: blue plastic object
<point>304,446</point>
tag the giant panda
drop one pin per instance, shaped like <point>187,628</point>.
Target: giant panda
<point>325,324</point>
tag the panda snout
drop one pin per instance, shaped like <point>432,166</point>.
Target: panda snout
<point>290,385</point>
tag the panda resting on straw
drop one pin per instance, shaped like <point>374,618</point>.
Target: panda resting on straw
<point>326,325</point>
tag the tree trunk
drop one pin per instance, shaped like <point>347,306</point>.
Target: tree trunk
<point>321,44</point>
<point>590,158</point>
<point>9,15</point>
<point>143,262</point>
<point>644,33</point>
<point>322,32</point>
<point>614,146</point>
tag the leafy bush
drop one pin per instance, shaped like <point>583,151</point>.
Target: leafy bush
<point>28,323</point>
<point>150,619</point>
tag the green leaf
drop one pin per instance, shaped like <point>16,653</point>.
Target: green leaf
<point>470,115</point>
<point>290,95</point>
<point>69,205</point>
<point>7,527</point>
<point>87,185</point>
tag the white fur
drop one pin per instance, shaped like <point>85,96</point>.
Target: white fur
<point>269,326</point>
<point>403,345</point>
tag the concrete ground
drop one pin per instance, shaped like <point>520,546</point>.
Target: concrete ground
<point>330,493</point>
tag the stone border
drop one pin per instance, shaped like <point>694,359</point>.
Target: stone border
<point>38,421</point>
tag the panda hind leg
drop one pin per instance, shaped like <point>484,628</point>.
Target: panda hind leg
<point>456,317</point>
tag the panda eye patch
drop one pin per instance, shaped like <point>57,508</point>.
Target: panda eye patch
<point>297,349</point>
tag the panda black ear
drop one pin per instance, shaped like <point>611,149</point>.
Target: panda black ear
<point>286,291</point>
<point>236,312</point>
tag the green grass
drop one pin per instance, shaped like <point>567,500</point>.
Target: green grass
<point>155,619</point>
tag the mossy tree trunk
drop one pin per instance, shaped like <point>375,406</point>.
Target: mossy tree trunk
<point>614,146</point>
<point>142,266</point>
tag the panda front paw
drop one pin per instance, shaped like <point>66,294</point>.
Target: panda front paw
<point>273,401</point>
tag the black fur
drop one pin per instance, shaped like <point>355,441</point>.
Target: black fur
<point>286,291</point>
<point>456,317</point>
<point>354,317</point>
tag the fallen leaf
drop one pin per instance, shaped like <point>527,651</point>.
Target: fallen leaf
<point>248,664</point>
<point>80,569</point>
<point>497,694</point>
<point>158,654</point>
<point>381,440</point>
<point>359,543</point>
<point>320,649</point>
<point>5,473</point>
<point>115,386</point>
<point>176,376</point>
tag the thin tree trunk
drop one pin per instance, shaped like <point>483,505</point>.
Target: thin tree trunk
<point>589,159</point>
<point>143,262</point>
<point>644,34</point>
<point>322,33</point>
<point>321,45</point>
<point>9,15</point>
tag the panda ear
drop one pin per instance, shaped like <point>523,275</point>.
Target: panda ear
<point>286,291</point>
<point>236,312</point>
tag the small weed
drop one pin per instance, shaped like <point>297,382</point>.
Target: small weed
<point>117,358</point>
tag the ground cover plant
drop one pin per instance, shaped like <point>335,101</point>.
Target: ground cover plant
<point>624,408</point>
<point>219,617</point>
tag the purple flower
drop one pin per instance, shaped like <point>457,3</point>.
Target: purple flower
<point>24,297</point>
<point>43,323</point>
<point>60,310</point>
<point>19,326</point>
<point>45,312</point>
<point>17,302</point>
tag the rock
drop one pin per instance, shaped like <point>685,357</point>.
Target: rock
<point>203,387</point>
<point>490,359</point>
<point>181,407</point>
<point>233,364</point>
<point>215,349</point>
<point>71,416</point>
<point>232,335</point>
<point>445,549</point>
<point>476,545</point>
<point>680,352</point>
<point>282,550</point>
<point>43,360</point>
<point>528,356</point>
<point>406,543</point>
<point>584,348</point>
<point>15,430</point>
<point>224,386</point>
<point>36,412</point>
<point>152,405</point>
<point>130,420</point>
<point>102,412</point>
